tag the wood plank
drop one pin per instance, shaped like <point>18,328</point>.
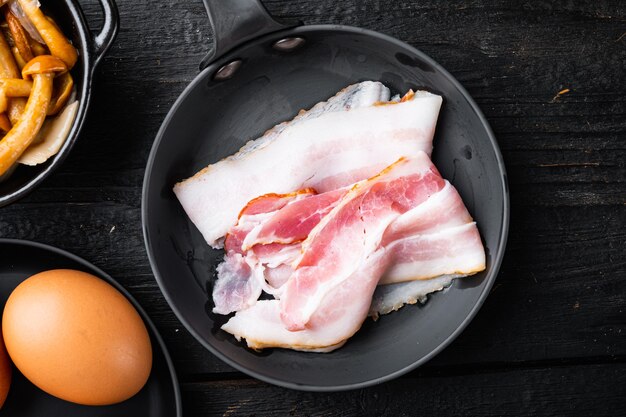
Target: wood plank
<point>596,390</point>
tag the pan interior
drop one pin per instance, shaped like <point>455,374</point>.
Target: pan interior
<point>214,119</point>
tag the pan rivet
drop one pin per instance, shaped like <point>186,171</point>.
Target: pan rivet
<point>228,70</point>
<point>288,44</point>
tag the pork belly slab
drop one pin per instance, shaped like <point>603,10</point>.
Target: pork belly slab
<point>350,137</point>
<point>406,225</point>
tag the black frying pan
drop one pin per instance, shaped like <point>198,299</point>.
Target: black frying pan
<point>91,49</point>
<point>261,73</point>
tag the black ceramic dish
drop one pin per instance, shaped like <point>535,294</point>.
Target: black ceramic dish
<point>160,396</point>
<point>91,49</point>
<point>214,117</point>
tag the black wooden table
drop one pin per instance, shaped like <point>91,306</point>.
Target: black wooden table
<point>551,337</point>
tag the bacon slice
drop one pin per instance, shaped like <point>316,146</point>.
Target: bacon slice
<point>337,318</point>
<point>438,237</point>
<point>236,287</point>
<point>351,232</point>
<point>241,276</point>
<point>262,328</point>
<point>256,212</point>
<point>333,145</point>
<point>453,251</point>
<point>269,224</point>
<point>406,224</point>
<point>294,221</point>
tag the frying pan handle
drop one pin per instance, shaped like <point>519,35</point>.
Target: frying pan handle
<point>103,40</point>
<point>237,21</point>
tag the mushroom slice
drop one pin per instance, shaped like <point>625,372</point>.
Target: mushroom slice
<point>51,137</point>
<point>57,43</point>
<point>63,85</point>
<point>8,67</point>
<point>8,173</point>
<point>5,123</point>
<point>16,9</point>
<point>16,87</point>
<point>16,108</point>
<point>42,70</point>
<point>21,63</point>
<point>37,48</point>
<point>20,38</point>
<point>13,87</point>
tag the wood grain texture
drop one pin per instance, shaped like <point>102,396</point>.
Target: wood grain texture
<point>540,392</point>
<point>561,295</point>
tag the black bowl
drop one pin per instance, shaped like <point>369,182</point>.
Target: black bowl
<point>160,397</point>
<point>212,119</point>
<point>91,49</point>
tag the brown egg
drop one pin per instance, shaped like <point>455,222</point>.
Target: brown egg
<point>5,373</point>
<point>76,337</point>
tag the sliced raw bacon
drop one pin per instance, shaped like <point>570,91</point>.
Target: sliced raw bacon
<point>454,251</point>
<point>269,225</point>
<point>405,224</point>
<point>241,276</point>
<point>338,317</point>
<point>256,211</point>
<point>333,145</point>
<point>351,232</point>
<point>261,327</point>
<point>438,237</point>
<point>442,210</point>
<point>373,227</point>
<point>294,221</point>
<point>235,289</point>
